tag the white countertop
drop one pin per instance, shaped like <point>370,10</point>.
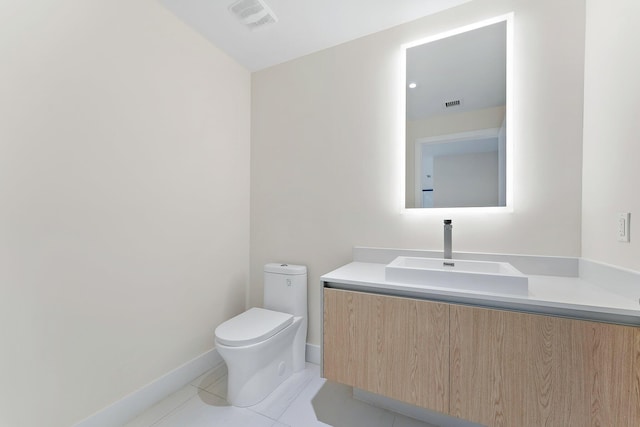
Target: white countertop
<point>554,295</point>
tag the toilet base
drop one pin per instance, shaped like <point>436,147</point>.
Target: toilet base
<point>254,371</point>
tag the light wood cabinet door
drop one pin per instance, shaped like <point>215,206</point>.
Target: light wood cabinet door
<point>395,347</point>
<point>523,370</point>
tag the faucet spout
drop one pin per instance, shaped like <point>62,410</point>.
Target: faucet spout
<point>447,239</point>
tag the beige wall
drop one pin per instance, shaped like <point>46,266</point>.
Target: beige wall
<point>325,166</point>
<point>611,174</point>
<point>124,193</point>
<point>444,124</point>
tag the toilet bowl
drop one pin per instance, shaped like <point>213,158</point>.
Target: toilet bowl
<point>263,346</point>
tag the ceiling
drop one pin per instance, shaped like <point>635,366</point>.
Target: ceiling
<point>302,27</point>
<point>470,67</point>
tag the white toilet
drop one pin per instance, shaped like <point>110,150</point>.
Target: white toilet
<point>263,346</point>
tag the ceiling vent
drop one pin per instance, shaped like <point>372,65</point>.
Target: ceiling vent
<point>254,14</point>
<point>454,103</point>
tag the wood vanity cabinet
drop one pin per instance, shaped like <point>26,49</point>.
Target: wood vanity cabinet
<point>493,367</point>
<point>517,369</point>
<point>395,347</point>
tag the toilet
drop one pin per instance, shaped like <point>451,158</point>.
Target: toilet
<point>262,347</point>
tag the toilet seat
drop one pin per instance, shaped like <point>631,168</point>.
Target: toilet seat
<point>252,326</point>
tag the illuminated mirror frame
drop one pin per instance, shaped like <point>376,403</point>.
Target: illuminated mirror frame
<point>508,18</point>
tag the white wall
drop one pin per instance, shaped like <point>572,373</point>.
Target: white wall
<point>469,179</point>
<point>124,194</point>
<point>611,174</point>
<point>326,168</point>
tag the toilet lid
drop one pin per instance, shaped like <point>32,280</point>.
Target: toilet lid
<point>252,326</point>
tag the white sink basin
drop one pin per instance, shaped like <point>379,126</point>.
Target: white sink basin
<point>484,276</point>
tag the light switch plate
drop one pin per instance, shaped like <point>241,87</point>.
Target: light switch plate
<point>623,226</point>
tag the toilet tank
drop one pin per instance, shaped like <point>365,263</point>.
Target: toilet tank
<point>285,288</point>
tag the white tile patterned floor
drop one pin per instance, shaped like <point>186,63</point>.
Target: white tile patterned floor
<point>304,400</point>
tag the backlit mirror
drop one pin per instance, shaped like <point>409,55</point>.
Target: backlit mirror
<point>457,118</point>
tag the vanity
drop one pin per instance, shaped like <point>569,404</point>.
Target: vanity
<point>563,352</point>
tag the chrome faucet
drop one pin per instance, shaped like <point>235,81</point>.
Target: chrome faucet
<point>447,239</point>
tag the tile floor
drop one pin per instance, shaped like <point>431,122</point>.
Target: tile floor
<point>304,400</point>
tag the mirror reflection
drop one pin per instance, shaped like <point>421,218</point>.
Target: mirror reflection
<point>456,139</point>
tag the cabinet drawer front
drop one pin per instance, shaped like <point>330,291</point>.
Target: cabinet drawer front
<point>516,369</point>
<point>396,347</point>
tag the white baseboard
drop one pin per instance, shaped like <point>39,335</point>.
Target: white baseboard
<point>132,405</point>
<point>313,354</point>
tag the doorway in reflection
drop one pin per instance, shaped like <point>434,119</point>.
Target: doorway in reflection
<point>461,170</point>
